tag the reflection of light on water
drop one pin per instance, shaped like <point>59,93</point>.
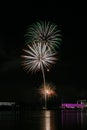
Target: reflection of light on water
<point>47,120</point>
<point>81,118</point>
<point>74,118</point>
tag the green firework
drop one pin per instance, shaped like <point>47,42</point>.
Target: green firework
<point>44,32</point>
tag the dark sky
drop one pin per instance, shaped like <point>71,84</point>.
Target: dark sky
<point>68,75</point>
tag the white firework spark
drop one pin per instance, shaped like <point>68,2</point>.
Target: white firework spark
<point>37,57</point>
<point>44,32</point>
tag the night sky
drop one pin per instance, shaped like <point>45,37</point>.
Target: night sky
<point>68,74</point>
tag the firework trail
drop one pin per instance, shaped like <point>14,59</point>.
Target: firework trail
<point>41,40</point>
<point>37,57</point>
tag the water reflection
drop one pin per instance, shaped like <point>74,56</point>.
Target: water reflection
<point>47,119</point>
<point>48,122</point>
<point>74,119</point>
<point>43,120</point>
<point>40,120</point>
<point>8,119</point>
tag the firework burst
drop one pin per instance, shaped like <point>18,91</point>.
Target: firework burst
<point>44,32</point>
<point>37,57</point>
<point>48,89</point>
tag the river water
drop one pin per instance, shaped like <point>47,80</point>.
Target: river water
<point>43,120</point>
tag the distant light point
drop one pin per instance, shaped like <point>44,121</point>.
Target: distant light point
<point>48,70</point>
